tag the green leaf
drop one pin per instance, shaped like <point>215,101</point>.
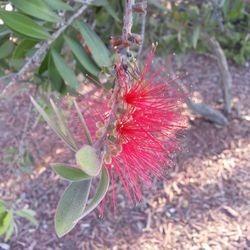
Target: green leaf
<point>82,56</point>
<point>71,206</point>
<point>5,219</point>
<point>236,10</point>
<point>63,124</point>
<point>195,36</point>
<point>23,25</point>
<point>9,231</point>
<point>88,161</point>
<point>69,173</point>
<point>53,125</point>
<point>4,31</point>
<point>27,214</point>
<point>36,8</point>
<point>64,70</point>
<point>2,206</point>
<point>6,49</point>
<point>44,64</point>
<point>108,7</point>
<point>100,193</point>
<point>54,76</point>
<point>20,52</point>
<point>83,123</point>
<point>97,48</point>
<point>58,5</point>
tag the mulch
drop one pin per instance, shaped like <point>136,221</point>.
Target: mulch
<point>203,204</point>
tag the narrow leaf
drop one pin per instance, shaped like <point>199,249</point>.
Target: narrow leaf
<point>62,123</point>
<point>6,49</point>
<point>10,230</point>
<point>4,31</point>
<point>52,124</point>
<point>100,194</point>
<point>69,173</point>
<point>97,48</point>
<point>23,47</point>
<point>71,205</point>
<point>27,214</point>
<point>23,25</point>
<point>36,8</point>
<point>58,5</point>
<point>195,36</point>
<point>82,56</point>
<point>108,7</point>
<point>83,123</point>
<point>55,78</point>
<point>87,159</point>
<point>5,219</point>
<point>65,71</point>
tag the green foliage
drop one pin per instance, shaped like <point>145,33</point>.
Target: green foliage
<point>69,173</point>
<point>24,161</point>
<point>180,26</point>
<point>8,217</point>
<point>23,25</point>
<point>79,50</point>
<point>73,204</point>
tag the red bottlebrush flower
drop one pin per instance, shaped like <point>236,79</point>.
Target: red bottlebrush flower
<point>146,121</point>
<point>146,126</point>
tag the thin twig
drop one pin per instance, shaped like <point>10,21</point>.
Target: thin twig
<point>127,26</point>
<point>34,61</point>
<point>226,78</point>
<point>143,25</point>
<point>25,132</point>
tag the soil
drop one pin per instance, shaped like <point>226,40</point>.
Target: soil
<point>203,204</point>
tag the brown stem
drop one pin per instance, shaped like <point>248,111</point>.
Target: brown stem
<point>226,78</point>
<point>143,25</point>
<point>126,31</point>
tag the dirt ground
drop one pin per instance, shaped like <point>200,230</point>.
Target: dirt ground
<point>204,204</point>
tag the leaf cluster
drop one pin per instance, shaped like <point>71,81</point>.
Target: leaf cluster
<point>179,26</point>
<point>8,217</point>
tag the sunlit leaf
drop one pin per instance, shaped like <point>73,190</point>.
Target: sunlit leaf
<point>71,206</point>
<point>5,220</point>
<point>9,231</point>
<point>23,25</point>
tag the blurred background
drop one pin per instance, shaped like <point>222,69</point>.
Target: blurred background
<point>204,203</point>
